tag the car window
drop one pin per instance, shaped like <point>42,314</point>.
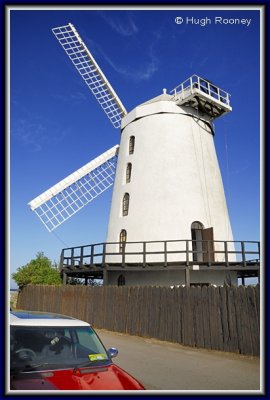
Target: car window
<point>88,338</point>
<point>89,345</point>
<point>53,348</point>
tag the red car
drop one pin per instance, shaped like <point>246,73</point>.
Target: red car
<point>56,352</point>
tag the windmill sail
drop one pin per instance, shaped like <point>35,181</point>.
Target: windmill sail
<point>91,73</point>
<point>67,197</point>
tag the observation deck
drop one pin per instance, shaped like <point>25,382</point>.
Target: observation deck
<point>202,95</point>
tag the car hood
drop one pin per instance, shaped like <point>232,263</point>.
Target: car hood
<point>109,377</point>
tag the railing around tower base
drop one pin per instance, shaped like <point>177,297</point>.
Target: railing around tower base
<point>92,260</point>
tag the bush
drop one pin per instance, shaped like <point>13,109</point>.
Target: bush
<point>39,271</point>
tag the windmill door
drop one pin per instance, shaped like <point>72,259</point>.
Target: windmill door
<point>202,242</point>
<point>208,244</point>
<point>196,236</point>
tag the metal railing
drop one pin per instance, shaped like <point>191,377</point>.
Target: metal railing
<point>168,252</point>
<point>195,83</point>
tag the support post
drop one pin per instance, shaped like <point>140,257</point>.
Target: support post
<point>92,255</point>
<point>208,253</point>
<point>123,254</point>
<point>64,278</point>
<point>105,277</point>
<point>243,254</point>
<point>187,252</point>
<point>226,254</point>
<point>187,276</point>
<point>72,257</point>
<point>61,259</point>
<point>81,256</point>
<point>165,255</point>
<point>103,254</point>
<point>144,254</point>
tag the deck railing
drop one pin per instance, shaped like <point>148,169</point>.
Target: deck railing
<point>204,86</point>
<point>184,252</point>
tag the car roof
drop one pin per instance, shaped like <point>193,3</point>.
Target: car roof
<point>38,318</point>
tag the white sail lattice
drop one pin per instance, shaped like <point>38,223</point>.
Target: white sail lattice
<point>67,197</point>
<point>91,73</point>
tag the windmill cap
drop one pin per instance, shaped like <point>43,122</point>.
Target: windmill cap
<point>162,97</point>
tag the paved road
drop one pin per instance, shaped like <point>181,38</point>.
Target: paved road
<point>168,366</point>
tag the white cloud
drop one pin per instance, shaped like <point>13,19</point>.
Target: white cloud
<point>76,98</point>
<point>144,72</point>
<point>125,26</point>
<point>203,61</point>
<point>36,133</point>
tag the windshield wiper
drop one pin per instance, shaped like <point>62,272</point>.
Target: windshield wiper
<point>90,363</point>
<point>34,366</point>
<point>30,368</point>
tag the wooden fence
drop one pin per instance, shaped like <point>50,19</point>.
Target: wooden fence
<point>219,318</point>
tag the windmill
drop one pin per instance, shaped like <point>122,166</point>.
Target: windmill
<point>165,172</point>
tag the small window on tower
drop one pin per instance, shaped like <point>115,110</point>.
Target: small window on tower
<point>123,239</point>
<point>128,172</point>
<point>125,204</point>
<point>131,144</point>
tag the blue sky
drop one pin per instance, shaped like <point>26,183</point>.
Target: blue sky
<point>56,125</point>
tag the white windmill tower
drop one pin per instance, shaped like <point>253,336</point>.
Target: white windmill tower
<point>168,184</point>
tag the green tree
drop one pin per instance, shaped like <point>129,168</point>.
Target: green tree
<point>39,271</point>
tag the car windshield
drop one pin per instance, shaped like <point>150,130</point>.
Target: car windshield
<point>43,348</point>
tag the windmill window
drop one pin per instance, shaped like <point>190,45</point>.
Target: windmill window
<point>125,204</point>
<point>128,172</point>
<point>122,239</point>
<point>131,144</point>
